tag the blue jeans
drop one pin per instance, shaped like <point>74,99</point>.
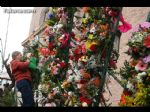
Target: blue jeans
<point>26,91</point>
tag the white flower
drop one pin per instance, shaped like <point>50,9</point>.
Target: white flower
<point>70,78</point>
<point>50,104</point>
<point>136,68</point>
<point>69,71</point>
<point>138,78</point>
<point>142,74</point>
<point>84,104</point>
<point>70,93</point>
<point>75,105</point>
<point>77,77</point>
<point>79,86</point>
<point>58,27</point>
<point>130,85</point>
<point>56,90</point>
<point>93,30</point>
<point>40,87</point>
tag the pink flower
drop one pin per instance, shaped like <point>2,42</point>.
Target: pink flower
<point>125,25</point>
<point>143,25</point>
<point>146,59</point>
<point>141,66</point>
<point>64,40</point>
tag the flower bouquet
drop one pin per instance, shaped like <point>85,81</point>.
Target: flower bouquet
<point>135,73</point>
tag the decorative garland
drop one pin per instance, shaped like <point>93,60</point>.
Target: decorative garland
<point>74,53</point>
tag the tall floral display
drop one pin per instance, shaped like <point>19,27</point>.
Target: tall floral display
<point>74,53</point>
<point>136,72</point>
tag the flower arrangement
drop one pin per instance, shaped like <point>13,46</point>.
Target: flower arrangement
<point>72,53</point>
<point>135,74</point>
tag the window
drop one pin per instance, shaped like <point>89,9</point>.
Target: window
<point>46,15</point>
<point>117,40</point>
<point>43,15</point>
<point>0,81</point>
<point>148,17</point>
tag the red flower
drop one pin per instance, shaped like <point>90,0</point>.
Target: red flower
<point>71,57</point>
<point>44,51</point>
<point>93,47</point>
<point>62,64</point>
<point>83,99</point>
<point>83,49</point>
<point>112,13</point>
<point>78,56</point>
<point>64,40</point>
<point>50,45</point>
<point>112,63</point>
<point>52,53</point>
<point>123,100</point>
<point>73,35</point>
<point>77,51</point>
<point>147,41</point>
<point>135,49</point>
<point>126,93</point>
<point>82,81</point>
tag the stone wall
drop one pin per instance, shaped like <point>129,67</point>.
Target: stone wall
<point>134,15</point>
<point>37,18</point>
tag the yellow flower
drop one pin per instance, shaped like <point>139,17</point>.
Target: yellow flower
<point>84,20</point>
<point>65,84</point>
<point>88,44</point>
<point>91,36</point>
<point>84,58</point>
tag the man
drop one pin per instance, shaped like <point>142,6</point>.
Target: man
<point>22,75</point>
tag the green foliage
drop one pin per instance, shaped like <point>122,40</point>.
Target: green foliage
<point>125,71</point>
<point>8,100</point>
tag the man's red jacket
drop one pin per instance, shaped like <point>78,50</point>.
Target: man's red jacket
<point>20,70</point>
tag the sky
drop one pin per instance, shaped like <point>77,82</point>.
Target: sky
<point>18,30</point>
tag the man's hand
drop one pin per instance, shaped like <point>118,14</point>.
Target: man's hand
<point>29,55</point>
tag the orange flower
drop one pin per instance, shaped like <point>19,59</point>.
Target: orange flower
<point>123,100</point>
<point>84,74</point>
<point>85,9</point>
<point>104,27</point>
<point>84,31</point>
<point>96,81</point>
<point>133,63</point>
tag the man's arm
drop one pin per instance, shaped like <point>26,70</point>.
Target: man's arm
<point>32,63</point>
<point>22,65</point>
